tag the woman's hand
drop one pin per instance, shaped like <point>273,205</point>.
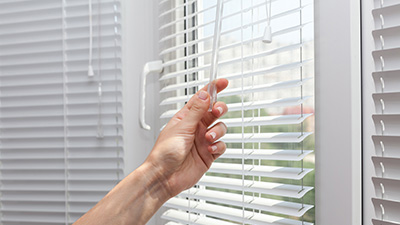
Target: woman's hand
<point>183,152</point>
<point>187,146</point>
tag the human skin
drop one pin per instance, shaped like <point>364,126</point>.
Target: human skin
<point>183,152</point>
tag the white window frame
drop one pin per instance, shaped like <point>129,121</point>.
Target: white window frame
<point>338,102</point>
<point>338,112</point>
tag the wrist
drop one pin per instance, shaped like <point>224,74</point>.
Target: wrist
<point>155,181</point>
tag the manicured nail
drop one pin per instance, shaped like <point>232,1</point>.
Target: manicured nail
<point>213,148</point>
<point>213,135</point>
<point>221,111</point>
<point>203,95</point>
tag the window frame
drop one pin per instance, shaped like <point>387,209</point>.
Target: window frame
<point>337,42</point>
<point>338,113</point>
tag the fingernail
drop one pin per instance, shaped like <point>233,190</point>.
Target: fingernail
<point>213,148</point>
<point>221,111</point>
<point>213,135</point>
<point>203,95</point>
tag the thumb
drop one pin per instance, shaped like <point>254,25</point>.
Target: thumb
<point>199,108</point>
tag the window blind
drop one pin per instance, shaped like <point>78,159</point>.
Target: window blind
<point>386,77</point>
<point>60,126</point>
<point>265,176</point>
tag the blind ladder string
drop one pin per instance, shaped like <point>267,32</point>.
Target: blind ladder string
<point>252,85</point>
<point>302,104</point>
<point>65,110</point>
<point>186,65</point>
<point>90,66</point>
<point>100,130</point>
<point>116,88</point>
<point>242,106</point>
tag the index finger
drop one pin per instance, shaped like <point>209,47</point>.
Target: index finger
<point>221,84</point>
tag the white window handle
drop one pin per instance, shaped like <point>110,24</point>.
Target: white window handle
<point>150,67</point>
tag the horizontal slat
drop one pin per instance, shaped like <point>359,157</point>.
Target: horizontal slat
<point>235,28</point>
<point>387,167</point>
<point>382,222</point>
<point>35,210</point>
<point>262,71</point>
<point>264,171</point>
<point>387,124</point>
<point>275,51</point>
<point>223,47</point>
<point>60,116</point>
<point>83,94</point>
<point>387,103</point>
<point>239,91</point>
<point>106,124</point>
<point>173,223</point>
<point>174,9</point>
<point>30,45</point>
<point>33,221</point>
<point>268,188</point>
<point>232,91</point>
<point>266,154</point>
<point>183,217</point>
<point>266,120</point>
<point>387,188</point>
<point>387,59</point>
<point>391,81</point>
<point>389,37</point>
<point>232,214</point>
<point>391,209</point>
<point>74,28</point>
<point>389,143</point>
<point>239,200</point>
<point>29,55</point>
<point>89,158</point>
<point>26,106</point>
<point>295,137</point>
<point>52,190</point>
<point>390,13</point>
<point>253,105</point>
<point>89,146</point>
<point>20,21</point>
<point>180,19</point>
<point>26,6</point>
<point>59,167</point>
<point>107,83</point>
<point>45,62</point>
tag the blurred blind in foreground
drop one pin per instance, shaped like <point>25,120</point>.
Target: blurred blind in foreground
<point>60,129</point>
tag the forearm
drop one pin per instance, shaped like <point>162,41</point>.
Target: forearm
<point>133,201</point>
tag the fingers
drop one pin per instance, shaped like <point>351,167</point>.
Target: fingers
<point>216,132</point>
<point>221,84</point>
<point>217,149</point>
<point>219,109</point>
<point>200,104</point>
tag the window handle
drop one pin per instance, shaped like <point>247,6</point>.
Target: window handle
<point>148,68</point>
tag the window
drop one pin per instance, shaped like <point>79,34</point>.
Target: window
<point>266,175</point>
<point>61,129</point>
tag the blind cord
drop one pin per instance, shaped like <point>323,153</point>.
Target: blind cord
<point>267,38</point>
<point>100,130</point>
<point>90,67</point>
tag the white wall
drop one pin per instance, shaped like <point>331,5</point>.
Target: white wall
<point>140,35</point>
